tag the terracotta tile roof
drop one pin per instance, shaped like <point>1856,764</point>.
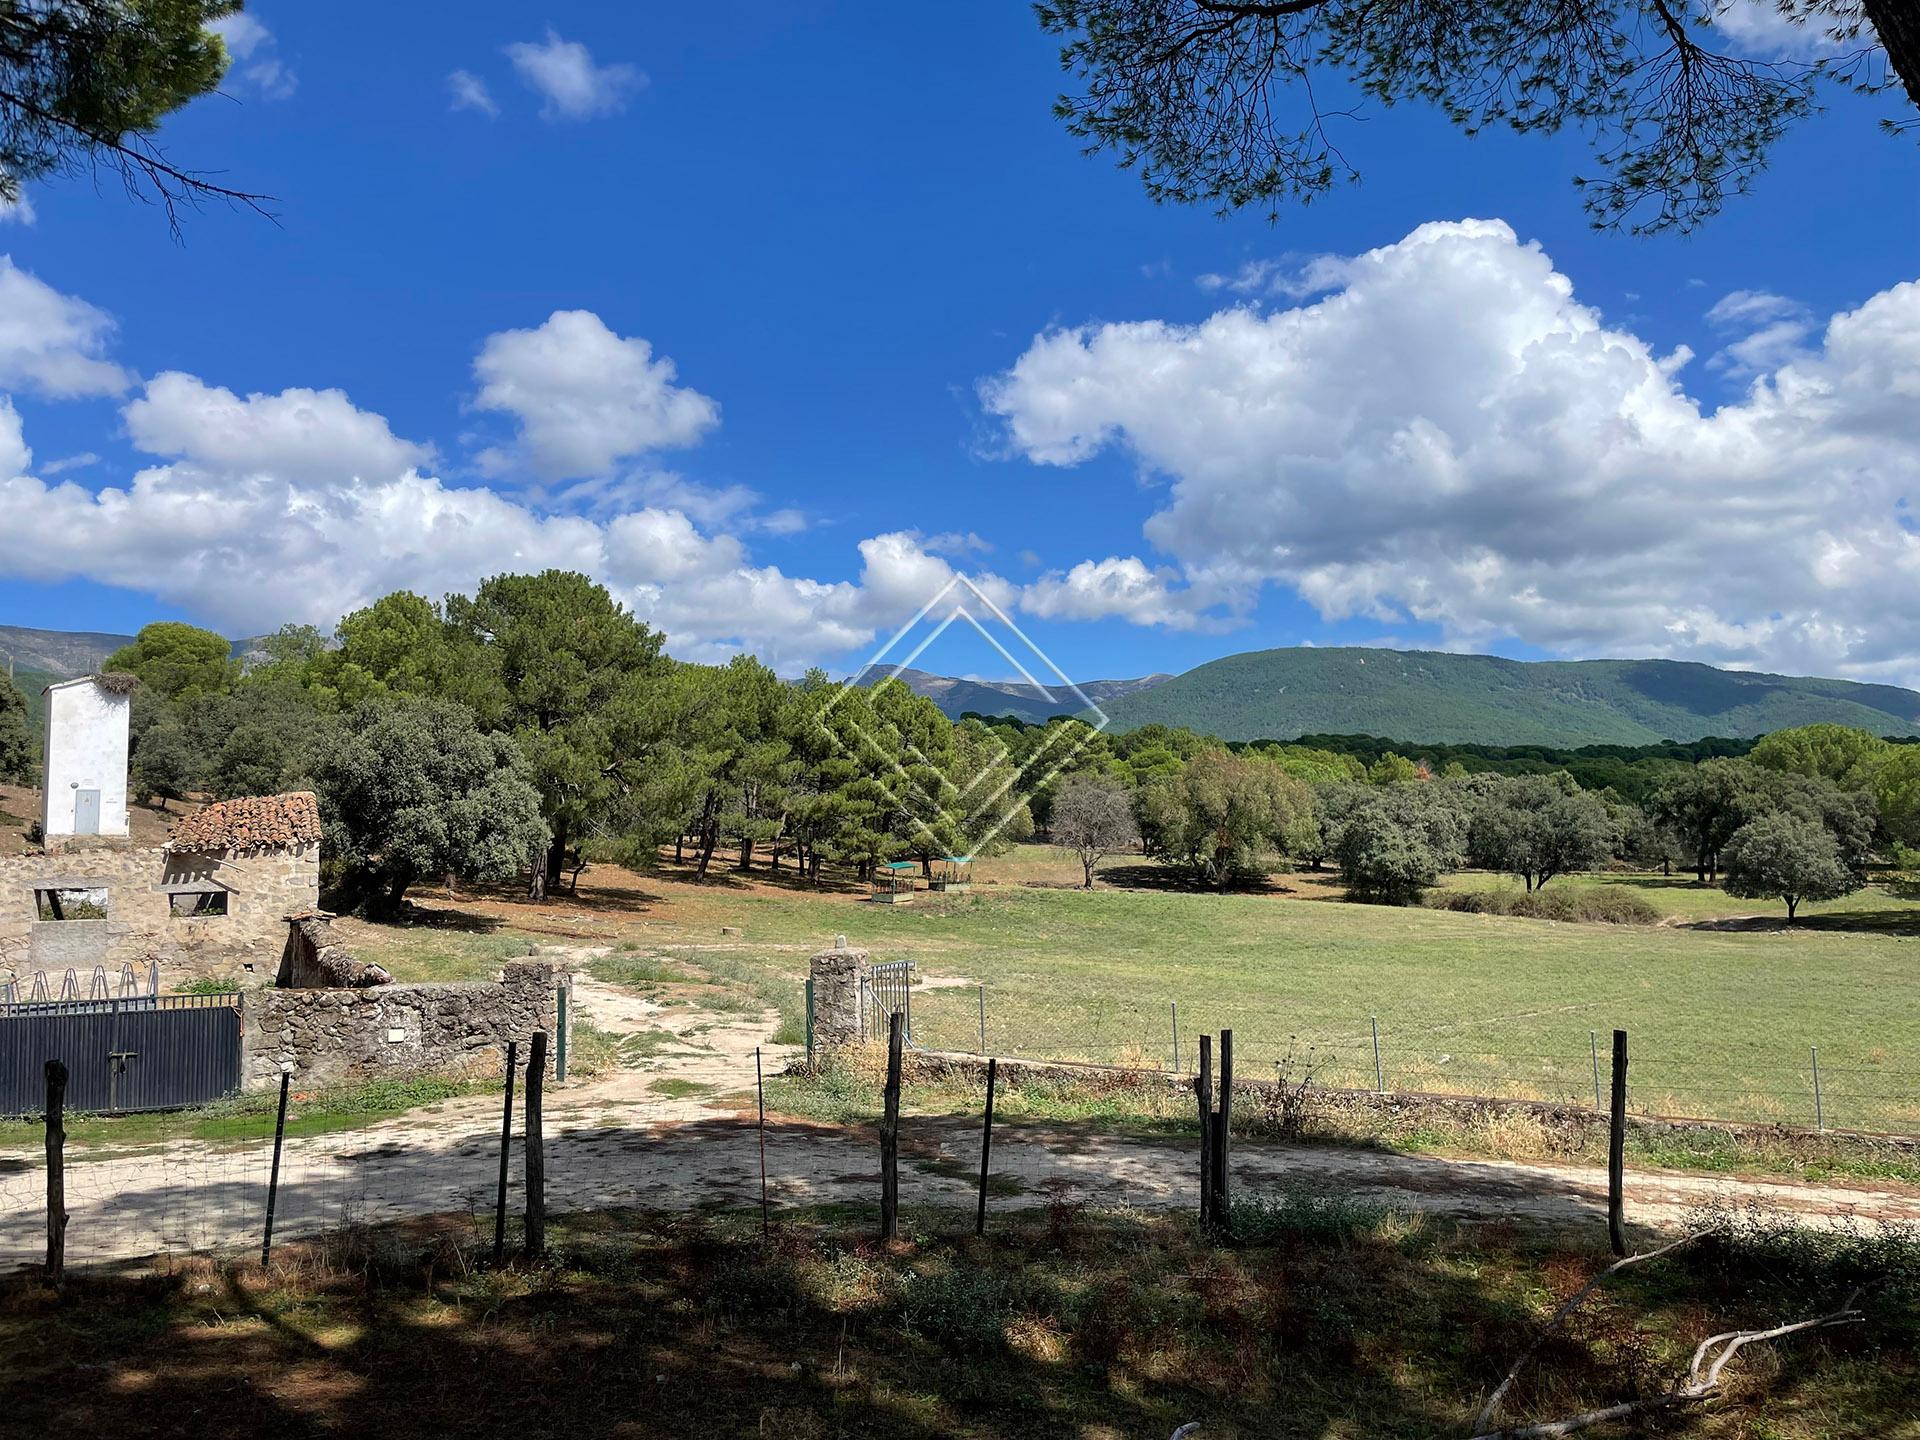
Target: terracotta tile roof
<point>255,822</point>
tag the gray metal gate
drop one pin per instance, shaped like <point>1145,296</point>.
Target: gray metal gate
<point>161,1052</point>
<point>889,988</point>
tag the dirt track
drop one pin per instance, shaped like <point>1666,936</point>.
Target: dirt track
<point>618,1141</point>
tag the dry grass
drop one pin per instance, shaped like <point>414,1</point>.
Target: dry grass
<point>1322,1321</point>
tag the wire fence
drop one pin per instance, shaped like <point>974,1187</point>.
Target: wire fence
<point>148,1185</point>
<point>1791,1082</point>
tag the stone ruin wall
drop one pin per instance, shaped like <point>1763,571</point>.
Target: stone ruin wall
<point>343,1036</point>
<point>244,945</point>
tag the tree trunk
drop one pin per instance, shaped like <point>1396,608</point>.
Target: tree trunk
<point>556,858</point>
<point>383,901</point>
<point>746,853</point>
<point>679,849</point>
<point>1666,866</point>
<point>1897,23</point>
<point>1087,865</point>
<point>1793,904</point>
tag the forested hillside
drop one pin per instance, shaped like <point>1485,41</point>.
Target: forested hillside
<point>1432,697</point>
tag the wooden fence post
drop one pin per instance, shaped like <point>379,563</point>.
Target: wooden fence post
<point>273,1176</point>
<point>1203,1089</point>
<point>1617,1149</point>
<point>986,1149</point>
<point>56,1173</point>
<point>536,1245</point>
<point>1222,1198</point>
<point>890,1134</point>
<point>760,1089</point>
<point>506,1144</point>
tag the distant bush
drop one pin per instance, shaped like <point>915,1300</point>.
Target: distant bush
<point>1601,904</point>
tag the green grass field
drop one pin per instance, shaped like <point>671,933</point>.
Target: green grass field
<point>1723,1003</point>
<point>1721,1020</point>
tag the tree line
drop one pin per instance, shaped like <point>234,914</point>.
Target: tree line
<point>510,732</point>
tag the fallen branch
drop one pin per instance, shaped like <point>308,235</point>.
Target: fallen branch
<point>1702,1381</point>
<point>1572,1303</point>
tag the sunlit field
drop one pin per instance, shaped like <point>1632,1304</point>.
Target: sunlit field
<point>1723,1011</point>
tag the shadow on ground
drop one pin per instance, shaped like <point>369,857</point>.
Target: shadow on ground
<point>1903,922</point>
<point>1062,1326</point>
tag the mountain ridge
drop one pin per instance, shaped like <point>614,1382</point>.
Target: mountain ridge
<point>1411,696</point>
<point>957,695</point>
<point>1439,697</point>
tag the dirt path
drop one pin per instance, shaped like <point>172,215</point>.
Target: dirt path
<point>621,1140</point>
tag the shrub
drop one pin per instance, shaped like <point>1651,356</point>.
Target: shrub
<point>206,985</point>
<point>1296,1211</point>
<point>1599,904</point>
<point>1392,843</point>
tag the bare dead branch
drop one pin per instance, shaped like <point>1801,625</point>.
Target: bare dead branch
<point>1559,1318</point>
<point>1701,1383</point>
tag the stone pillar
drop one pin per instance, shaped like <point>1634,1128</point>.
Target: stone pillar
<point>839,981</point>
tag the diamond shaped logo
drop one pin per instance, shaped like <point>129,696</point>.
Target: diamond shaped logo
<point>978,810</point>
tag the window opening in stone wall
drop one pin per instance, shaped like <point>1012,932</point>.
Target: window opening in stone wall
<point>70,903</point>
<point>197,904</point>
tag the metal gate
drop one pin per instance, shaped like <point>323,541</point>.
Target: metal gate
<point>160,1052</point>
<point>889,988</point>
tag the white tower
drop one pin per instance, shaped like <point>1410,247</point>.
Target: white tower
<point>85,789</point>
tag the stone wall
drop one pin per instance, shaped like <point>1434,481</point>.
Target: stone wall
<point>263,889</point>
<point>314,961</point>
<point>333,1037</point>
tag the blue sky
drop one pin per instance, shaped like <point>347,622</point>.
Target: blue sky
<point>912,327</point>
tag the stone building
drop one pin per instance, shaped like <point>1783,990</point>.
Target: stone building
<point>213,902</point>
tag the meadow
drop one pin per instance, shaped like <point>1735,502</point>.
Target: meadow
<point>1723,1002</point>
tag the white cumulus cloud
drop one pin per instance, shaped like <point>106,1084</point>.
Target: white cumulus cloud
<point>300,505</point>
<point>53,343</point>
<point>1450,436</point>
<point>1123,586</point>
<point>568,80</point>
<point>585,398</point>
<point>297,434</point>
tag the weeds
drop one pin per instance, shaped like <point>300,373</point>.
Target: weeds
<point>1592,904</point>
